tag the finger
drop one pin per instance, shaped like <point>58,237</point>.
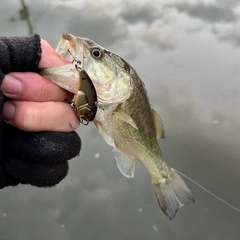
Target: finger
<point>35,116</point>
<point>32,87</point>
<point>49,57</point>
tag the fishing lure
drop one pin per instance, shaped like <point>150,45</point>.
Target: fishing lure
<point>85,101</point>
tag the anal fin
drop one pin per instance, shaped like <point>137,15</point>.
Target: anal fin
<point>125,164</point>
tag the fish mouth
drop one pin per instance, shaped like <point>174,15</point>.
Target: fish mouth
<point>67,76</point>
<point>73,77</point>
<point>70,48</point>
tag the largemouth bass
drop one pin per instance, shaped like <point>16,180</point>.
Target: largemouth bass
<point>124,116</point>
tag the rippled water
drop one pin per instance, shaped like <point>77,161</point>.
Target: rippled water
<point>188,56</point>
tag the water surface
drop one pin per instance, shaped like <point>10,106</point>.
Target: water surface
<point>188,56</point>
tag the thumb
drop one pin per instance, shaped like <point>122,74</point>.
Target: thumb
<point>50,58</point>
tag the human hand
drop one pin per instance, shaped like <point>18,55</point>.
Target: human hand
<point>38,154</point>
<point>35,103</point>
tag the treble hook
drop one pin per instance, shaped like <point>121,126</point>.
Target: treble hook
<point>84,122</point>
<point>79,119</point>
<point>77,62</point>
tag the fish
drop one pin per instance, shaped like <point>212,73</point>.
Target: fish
<point>124,118</point>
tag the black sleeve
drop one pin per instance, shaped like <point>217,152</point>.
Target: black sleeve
<point>19,54</point>
<point>16,54</point>
<point>38,158</point>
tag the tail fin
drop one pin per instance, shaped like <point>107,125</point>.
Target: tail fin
<point>172,194</point>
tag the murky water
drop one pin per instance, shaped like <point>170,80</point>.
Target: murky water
<point>188,56</point>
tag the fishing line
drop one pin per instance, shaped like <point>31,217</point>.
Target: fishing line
<point>209,192</point>
<point>49,9</point>
<point>180,173</point>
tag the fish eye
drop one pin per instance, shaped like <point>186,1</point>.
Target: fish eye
<point>97,53</point>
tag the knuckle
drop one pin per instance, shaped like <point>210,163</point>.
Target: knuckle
<point>41,92</point>
<point>26,117</point>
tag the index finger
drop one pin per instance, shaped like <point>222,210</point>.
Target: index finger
<point>32,87</point>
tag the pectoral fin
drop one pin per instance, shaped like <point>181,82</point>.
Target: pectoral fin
<point>158,125</point>
<point>122,115</point>
<point>125,165</point>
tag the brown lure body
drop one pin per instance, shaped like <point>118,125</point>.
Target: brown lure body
<point>85,101</point>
